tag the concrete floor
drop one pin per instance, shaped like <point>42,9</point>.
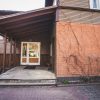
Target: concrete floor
<point>21,73</point>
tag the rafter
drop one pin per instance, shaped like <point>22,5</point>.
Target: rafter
<point>11,19</point>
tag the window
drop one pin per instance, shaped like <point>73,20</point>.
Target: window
<point>94,4</point>
<point>55,2</point>
<point>1,38</point>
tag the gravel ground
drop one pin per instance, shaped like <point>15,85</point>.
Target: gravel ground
<point>88,92</point>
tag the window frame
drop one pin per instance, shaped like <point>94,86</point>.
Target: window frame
<point>97,4</point>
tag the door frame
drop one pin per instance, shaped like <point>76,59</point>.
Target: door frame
<point>27,55</point>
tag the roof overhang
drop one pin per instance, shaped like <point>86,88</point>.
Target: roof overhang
<point>8,12</point>
<point>25,24</point>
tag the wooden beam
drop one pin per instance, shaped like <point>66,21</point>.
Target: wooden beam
<point>29,22</point>
<point>31,32</point>
<point>4,54</point>
<point>12,19</point>
<point>31,27</point>
<point>14,54</point>
<point>37,11</point>
<point>28,36</point>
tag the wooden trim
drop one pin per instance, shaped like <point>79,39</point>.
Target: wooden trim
<point>14,54</point>
<point>29,60</point>
<point>29,23</point>
<point>23,16</point>
<point>29,12</point>
<point>79,8</point>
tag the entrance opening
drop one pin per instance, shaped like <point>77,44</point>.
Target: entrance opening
<point>38,51</point>
<point>36,59</point>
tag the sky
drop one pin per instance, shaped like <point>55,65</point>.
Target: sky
<point>21,5</point>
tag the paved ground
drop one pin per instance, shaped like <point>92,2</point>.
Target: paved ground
<point>21,73</point>
<point>91,92</point>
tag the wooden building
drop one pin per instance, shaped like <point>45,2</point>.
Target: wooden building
<point>66,35</point>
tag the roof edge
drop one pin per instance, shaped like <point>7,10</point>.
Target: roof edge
<point>27,12</point>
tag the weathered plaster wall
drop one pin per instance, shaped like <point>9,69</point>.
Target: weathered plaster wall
<point>78,49</point>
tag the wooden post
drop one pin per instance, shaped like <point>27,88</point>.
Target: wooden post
<point>4,54</point>
<point>14,53</point>
<point>10,56</point>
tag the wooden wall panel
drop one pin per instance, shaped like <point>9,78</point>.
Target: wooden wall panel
<point>69,15</point>
<point>75,3</point>
<point>33,60</point>
<point>7,60</point>
<point>24,60</point>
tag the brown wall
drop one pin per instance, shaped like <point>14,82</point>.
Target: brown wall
<point>70,15</point>
<point>75,3</point>
<point>7,60</point>
<point>78,49</point>
<point>7,47</point>
<point>45,48</point>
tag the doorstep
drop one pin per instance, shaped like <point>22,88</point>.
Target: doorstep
<point>38,82</point>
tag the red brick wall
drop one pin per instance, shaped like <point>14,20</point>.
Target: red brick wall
<point>78,49</point>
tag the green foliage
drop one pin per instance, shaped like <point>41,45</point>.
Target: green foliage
<point>66,82</point>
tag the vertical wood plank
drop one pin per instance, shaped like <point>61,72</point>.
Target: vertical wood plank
<point>10,56</point>
<point>14,53</point>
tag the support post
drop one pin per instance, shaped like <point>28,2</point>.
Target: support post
<point>10,56</point>
<point>14,53</point>
<point>4,54</point>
